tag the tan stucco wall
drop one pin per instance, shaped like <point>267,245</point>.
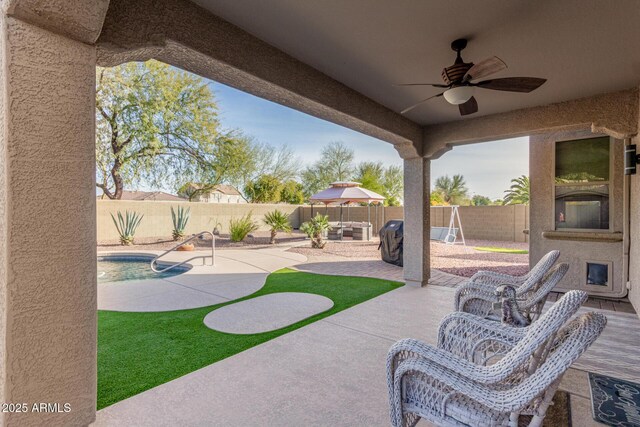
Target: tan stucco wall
<point>48,256</point>
<point>634,234</point>
<point>204,216</point>
<point>576,253</point>
<point>611,113</point>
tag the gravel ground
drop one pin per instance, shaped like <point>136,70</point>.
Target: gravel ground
<point>258,240</point>
<point>454,259</point>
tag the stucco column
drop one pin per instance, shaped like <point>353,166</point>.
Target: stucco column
<point>47,224</point>
<point>417,228</point>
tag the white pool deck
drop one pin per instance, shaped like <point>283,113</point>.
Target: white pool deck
<point>237,273</point>
<point>332,372</point>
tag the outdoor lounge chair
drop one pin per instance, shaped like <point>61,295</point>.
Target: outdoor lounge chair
<point>479,341</point>
<point>447,389</point>
<point>478,298</point>
<point>535,274</point>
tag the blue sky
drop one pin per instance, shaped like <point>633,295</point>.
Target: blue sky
<point>487,167</point>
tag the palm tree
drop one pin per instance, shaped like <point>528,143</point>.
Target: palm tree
<point>453,190</point>
<point>277,221</point>
<point>518,193</point>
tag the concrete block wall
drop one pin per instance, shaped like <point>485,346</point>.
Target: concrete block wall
<point>204,216</point>
<point>504,223</point>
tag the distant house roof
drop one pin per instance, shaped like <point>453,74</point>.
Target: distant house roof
<point>229,190</point>
<point>151,195</point>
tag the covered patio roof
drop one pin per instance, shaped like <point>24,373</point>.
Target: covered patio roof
<point>582,47</point>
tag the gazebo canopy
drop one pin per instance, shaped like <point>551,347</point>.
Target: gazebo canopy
<point>345,192</point>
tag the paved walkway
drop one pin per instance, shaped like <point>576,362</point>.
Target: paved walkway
<point>367,267</point>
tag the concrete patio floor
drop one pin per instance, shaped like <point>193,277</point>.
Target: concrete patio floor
<point>332,372</point>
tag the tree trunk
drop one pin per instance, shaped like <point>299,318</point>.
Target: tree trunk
<point>273,237</point>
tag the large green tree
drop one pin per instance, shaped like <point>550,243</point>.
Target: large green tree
<point>335,164</point>
<point>264,189</point>
<point>393,182</point>
<point>158,125</point>
<point>478,200</point>
<point>292,193</point>
<point>453,189</point>
<point>519,191</point>
<point>388,182</point>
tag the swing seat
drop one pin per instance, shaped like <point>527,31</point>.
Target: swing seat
<point>442,234</point>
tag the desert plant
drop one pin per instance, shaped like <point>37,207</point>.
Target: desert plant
<point>277,221</point>
<point>314,229</point>
<point>180,217</point>
<point>126,225</point>
<point>239,228</point>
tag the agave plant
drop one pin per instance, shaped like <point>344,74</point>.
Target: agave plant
<point>277,221</point>
<point>314,229</point>
<point>126,225</point>
<point>180,217</point>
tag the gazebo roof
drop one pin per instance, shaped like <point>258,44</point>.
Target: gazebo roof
<point>345,192</point>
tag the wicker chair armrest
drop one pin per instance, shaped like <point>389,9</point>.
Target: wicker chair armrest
<point>497,278</point>
<point>411,348</point>
<point>472,288</point>
<point>463,334</point>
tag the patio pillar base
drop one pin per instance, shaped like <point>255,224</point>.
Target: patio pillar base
<point>416,221</point>
<point>47,216</point>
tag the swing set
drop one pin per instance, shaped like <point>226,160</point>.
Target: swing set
<point>449,235</point>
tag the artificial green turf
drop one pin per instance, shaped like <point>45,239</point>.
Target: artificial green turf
<point>138,351</point>
<point>501,250</point>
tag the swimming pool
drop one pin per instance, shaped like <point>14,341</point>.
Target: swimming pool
<point>119,268</point>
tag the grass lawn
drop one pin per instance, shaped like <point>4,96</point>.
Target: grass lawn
<point>138,351</point>
<point>501,250</point>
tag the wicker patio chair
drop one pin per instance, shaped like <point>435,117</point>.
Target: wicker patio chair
<point>459,394</point>
<point>534,275</point>
<point>473,341</point>
<point>478,298</point>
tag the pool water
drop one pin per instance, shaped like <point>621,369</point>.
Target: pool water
<point>122,268</point>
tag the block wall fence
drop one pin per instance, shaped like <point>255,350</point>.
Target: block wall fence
<point>503,223</point>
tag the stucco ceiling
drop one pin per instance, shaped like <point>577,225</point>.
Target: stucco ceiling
<point>583,47</point>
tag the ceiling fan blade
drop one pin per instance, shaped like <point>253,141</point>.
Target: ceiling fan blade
<point>469,107</point>
<point>512,84</point>
<point>422,84</point>
<point>485,68</point>
<point>419,103</point>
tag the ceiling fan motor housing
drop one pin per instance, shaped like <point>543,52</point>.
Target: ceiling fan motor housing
<point>454,73</point>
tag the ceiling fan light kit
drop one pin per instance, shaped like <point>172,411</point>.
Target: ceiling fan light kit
<point>459,95</point>
<point>460,86</point>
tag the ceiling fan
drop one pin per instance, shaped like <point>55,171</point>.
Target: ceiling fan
<point>460,83</point>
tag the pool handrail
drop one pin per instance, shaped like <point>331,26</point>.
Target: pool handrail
<point>204,257</point>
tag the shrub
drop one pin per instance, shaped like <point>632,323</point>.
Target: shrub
<point>314,229</point>
<point>239,228</point>
<point>277,221</point>
<point>180,219</point>
<point>126,225</point>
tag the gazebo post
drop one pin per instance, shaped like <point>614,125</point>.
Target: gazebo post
<point>368,221</point>
<point>341,224</point>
